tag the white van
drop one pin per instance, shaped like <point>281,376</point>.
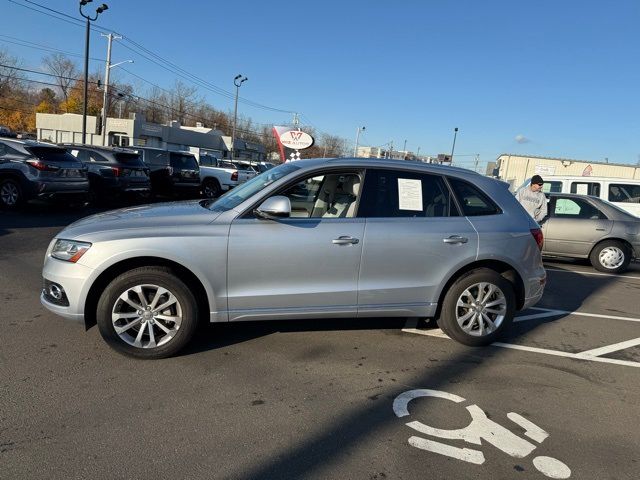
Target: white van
<point>622,192</point>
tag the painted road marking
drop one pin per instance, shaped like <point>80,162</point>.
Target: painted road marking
<point>593,355</point>
<point>579,272</point>
<point>596,352</point>
<point>480,431</point>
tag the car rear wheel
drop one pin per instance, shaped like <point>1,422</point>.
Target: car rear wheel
<point>610,256</point>
<point>211,188</point>
<point>10,193</point>
<point>478,307</point>
<point>147,313</point>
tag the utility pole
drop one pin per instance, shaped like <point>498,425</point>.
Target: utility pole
<point>296,121</point>
<point>391,150</point>
<point>237,81</point>
<point>404,149</point>
<point>355,150</point>
<point>453,147</point>
<point>105,95</point>
<point>475,167</point>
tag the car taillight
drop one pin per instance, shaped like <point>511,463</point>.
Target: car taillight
<point>38,165</point>
<point>537,235</point>
<point>170,170</point>
<point>234,176</point>
<point>116,171</point>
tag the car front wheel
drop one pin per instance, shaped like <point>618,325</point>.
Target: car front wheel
<point>147,312</point>
<point>478,307</point>
<point>610,256</point>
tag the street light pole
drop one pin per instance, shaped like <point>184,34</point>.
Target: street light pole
<point>90,19</point>
<point>105,95</point>
<point>455,133</point>
<point>355,150</point>
<point>237,81</point>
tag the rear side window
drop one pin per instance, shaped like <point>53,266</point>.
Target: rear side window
<point>156,157</point>
<point>51,154</point>
<point>185,162</point>
<point>390,193</point>
<point>586,188</point>
<point>473,201</point>
<point>624,192</point>
<point>7,150</point>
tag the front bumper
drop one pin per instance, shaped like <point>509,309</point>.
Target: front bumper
<point>73,278</point>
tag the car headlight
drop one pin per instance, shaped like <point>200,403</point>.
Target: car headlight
<point>69,250</point>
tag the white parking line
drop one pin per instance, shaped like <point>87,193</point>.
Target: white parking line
<point>593,355</point>
<point>579,272</point>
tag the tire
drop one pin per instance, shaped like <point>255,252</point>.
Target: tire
<point>459,318</point>
<point>211,188</point>
<point>11,196</point>
<point>152,334</point>
<point>610,256</point>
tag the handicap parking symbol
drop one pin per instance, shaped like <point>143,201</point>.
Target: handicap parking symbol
<point>480,429</point>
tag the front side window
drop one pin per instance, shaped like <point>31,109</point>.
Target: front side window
<point>248,189</point>
<point>473,201</point>
<point>332,195</point>
<point>391,193</point>
<point>552,187</point>
<point>624,192</point>
<point>586,188</point>
<point>576,208</point>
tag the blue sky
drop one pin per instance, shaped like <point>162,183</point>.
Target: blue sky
<point>550,78</point>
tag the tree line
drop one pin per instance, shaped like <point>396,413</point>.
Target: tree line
<point>59,88</point>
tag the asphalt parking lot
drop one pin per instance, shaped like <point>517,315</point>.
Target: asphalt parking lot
<point>558,397</point>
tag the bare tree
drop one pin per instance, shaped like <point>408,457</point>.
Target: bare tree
<point>10,77</point>
<point>182,102</point>
<point>66,73</point>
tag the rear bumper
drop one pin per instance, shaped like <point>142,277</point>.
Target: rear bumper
<point>50,190</point>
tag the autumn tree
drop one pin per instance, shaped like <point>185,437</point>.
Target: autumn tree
<point>65,73</point>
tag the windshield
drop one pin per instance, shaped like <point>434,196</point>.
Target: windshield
<point>236,196</point>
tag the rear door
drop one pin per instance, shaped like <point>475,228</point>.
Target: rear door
<point>414,236</point>
<point>573,227</point>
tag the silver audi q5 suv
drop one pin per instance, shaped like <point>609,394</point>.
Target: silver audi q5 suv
<point>317,238</point>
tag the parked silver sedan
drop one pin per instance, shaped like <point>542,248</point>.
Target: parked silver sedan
<point>581,226</point>
<point>308,239</point>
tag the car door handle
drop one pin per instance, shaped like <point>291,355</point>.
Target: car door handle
<point>600,230</point>
<point>454,239</point>
<point>345,240</point>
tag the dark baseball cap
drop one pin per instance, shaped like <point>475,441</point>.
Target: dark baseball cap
<point>537,180</point>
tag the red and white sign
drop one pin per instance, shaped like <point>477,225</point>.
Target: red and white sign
<point>296,139</point>
<point>587,171</point>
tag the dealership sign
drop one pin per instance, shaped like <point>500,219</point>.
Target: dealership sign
<point>296,139</point>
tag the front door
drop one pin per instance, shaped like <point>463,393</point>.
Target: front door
<point>302,266</point>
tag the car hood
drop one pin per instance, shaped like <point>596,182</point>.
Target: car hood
<point>162,215</point>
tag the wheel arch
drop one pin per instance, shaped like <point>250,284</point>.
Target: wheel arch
<point>613,239</point>
<point>504,269</point>
<point>183,273</point>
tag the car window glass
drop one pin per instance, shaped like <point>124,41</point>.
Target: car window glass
<point>552,187</point>
<point>333,195</point>
<point>473,201</point>
<point>186,162</point>
<point>95,157</point>
<point>390,193</point>
<point>7,150</point>
<point>153,157</point>
<point>51,154</point>
<point>586,188</point>
<point>576,208</point>
<point>223,164</point>
<point>626,193</point>
<point>236,196</point>
<point>132,159</point>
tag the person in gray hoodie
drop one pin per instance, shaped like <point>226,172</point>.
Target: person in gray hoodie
<point>533,200</point>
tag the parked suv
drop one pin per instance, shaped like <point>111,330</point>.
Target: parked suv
<point>307,239</point>
<point>113,172</point>
<point>30,169</point>
<point>172,173</point>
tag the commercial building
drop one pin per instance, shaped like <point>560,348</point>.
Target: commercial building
<point>136,131</point>
<point>515,169</point>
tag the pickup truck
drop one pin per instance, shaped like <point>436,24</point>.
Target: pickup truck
<point>218,176</point>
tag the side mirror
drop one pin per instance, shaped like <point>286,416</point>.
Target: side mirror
<point>274,207</point>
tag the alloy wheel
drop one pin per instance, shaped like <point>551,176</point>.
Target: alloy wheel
<point>9,194</point>
<point>146,316</point>
<point>481,309</point>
